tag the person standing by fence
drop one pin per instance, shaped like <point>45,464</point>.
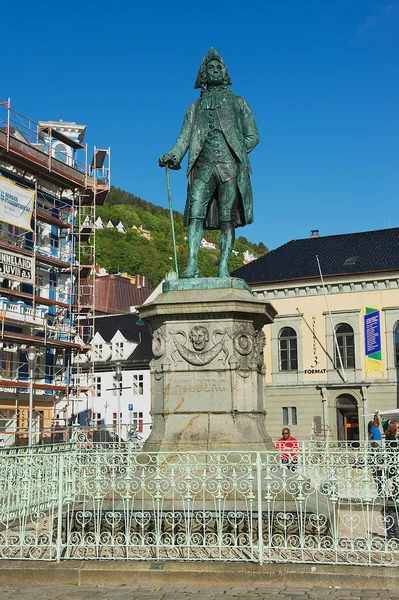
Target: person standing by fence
<point>287,445</point>
<point>376,457</point>
<point>391,441</point>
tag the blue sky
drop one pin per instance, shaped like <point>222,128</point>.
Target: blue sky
<point>322,79</point>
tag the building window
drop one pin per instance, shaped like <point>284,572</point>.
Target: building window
<point>98,351</point>
<point>289,415</point>
<point>6,362</point>
<point>8,420</point>
<point>288,351</point>
<point>346,346</point>
<point>138,385</point>
<point>97,386</point>
<point>138,421</point>
<point>116,385</point>
<point>115,418</point>
<point>61,153</point>
<point>118,350</point>
<point>396,343</point>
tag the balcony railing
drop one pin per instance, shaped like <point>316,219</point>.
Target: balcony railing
<point>23,130</point>
<point>14,370</point>
<point>19,311</point>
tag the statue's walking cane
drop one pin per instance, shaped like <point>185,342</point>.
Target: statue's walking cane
<point>171,219</point>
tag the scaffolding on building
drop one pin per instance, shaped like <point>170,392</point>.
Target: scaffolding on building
<point>84,307</point>
<point>66,192</point>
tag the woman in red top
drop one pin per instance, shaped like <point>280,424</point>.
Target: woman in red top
<point>288,446</point>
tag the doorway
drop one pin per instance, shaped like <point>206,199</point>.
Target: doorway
<point>347,418</point>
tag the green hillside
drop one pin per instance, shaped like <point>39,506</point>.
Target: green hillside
<point>118,252</point>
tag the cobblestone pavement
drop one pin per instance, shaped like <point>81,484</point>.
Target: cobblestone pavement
<point>90,592</point>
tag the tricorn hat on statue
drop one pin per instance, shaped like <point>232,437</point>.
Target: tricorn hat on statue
<point>212,54</point>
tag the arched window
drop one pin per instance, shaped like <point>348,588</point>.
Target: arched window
<point>61,153</point>
<point>346,345</point>
<point>288,351</point>
<point>396,343</point>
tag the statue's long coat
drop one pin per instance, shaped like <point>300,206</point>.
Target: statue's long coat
<point>239,128</point>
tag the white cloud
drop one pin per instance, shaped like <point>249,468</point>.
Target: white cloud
<point>380,11</point>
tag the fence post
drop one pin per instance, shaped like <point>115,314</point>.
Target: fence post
<point>259,493</point>
<point>60,498</point>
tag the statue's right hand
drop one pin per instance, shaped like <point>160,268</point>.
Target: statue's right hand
<point>168,160</point>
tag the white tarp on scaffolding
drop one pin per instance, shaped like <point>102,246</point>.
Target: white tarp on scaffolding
<point>16,204</point>
<point>16,266</point>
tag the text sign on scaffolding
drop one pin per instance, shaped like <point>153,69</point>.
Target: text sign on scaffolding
<point>17,267</point>
<point>16,204</point>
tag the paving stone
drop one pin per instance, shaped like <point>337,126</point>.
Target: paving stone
<point>87,592</point>
<point>295,597</point>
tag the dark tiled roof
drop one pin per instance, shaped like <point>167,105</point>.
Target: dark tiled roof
<point>127,325</point>
<point>365,252</point>
<point>143,352</point>
<point>107,326</point>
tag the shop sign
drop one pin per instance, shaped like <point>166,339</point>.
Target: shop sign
<point>16,266</point>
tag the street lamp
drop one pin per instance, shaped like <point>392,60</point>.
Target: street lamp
<point>118,377</point>
<point>31,359</point>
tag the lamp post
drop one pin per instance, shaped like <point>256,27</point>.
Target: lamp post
<point>31,359</point>
<point>118,377</point>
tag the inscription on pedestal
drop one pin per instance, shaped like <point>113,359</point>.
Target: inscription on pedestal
<point>196,385</point>
<point>196,392</point>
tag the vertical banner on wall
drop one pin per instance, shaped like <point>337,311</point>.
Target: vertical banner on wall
<point>16,204</point>
<point>372,339</point>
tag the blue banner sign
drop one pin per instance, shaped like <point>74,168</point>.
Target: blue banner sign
<point>372,335</point>
<point>130,406</point>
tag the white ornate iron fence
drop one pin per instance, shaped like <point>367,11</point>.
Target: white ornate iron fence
<point>329,504</point>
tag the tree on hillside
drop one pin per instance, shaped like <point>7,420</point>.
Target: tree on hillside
<point>133,253</point>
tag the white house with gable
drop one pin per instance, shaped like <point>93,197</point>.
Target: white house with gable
<point>119,341</point>
<point>208,244</point>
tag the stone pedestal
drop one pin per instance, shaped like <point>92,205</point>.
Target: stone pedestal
<point>208,373</point>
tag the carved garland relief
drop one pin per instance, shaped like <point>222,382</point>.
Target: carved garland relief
<point>199,338</point>
<point>248,346</point>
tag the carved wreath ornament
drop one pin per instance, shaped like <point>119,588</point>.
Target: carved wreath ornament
<point>199,338</point>
<point>244,340</point>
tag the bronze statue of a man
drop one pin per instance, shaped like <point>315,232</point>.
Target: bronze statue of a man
<point>219,131</point>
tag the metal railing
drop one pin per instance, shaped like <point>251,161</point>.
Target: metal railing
<point>18,127</point>
<point>14,437</point>
<point>109,501</point>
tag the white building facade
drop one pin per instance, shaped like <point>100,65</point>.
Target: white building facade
<point>121,381</point>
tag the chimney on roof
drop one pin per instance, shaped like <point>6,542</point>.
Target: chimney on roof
<point>141,281</point>
<point>314,233</point>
